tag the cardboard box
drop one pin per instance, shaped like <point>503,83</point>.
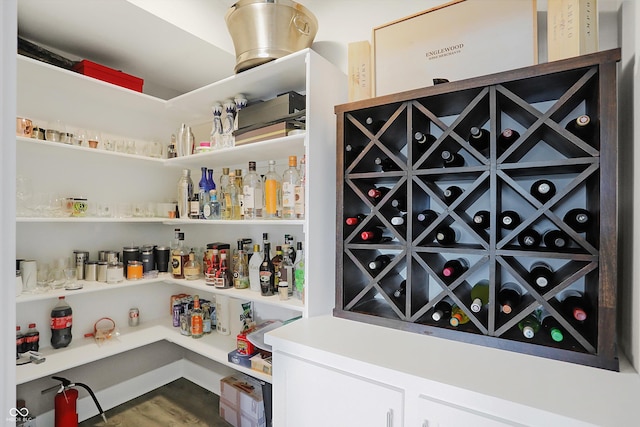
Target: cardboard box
<point>454,41</point>
<point>273,110</point>
<point>262,364</point>
<point>241,401</point>
<point>359,65</point>
<point>109,75</point>
<point>265,133</point>
<point>240,359</point>
<point>572,28</point>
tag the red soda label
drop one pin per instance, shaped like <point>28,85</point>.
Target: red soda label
<point>30,339</point>
<point>61,322</point>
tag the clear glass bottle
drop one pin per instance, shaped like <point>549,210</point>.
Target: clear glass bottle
<point>300,190</point>
<point>185,190</point>
<point>298,273</point>
<point>197,319</point>
<point>212,210</point>
<point>192,268</point>
<point>276,261</point>
<point>240,190</point>
<point>232,198</point>
<point>272,193</point>
<point>241,270</point>
<point>253,199</point>
<point>203,193</point>
<point>290,179</point>
<point>216,128</point>
<point>286,270</point>
<point>224,275</point>
<point>254,268</point>
<point>179,257</point>
<point>222,187</point>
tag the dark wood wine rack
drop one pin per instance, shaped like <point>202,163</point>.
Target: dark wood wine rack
<point>538,102</point>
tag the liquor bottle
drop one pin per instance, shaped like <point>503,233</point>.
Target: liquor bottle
<point>479,295</point>
<point>290,179</point>
<point>575,304</point>
<point>509,297</point>
<point>541,275</point>
<point>212,272</point>
<point>529,238</point>
<point>286,270</point>
<point>451,159</point>
<point>556,239</point>
<point>185,190</point>
<point>232,198</point>
<point>442,309</point>
<point>300,190</point>
<point>179,258</point>
<point>509,220</point>
<point>192,267</point>
<point>374,235</point>
<point>400,221</point>
<point>506,139</point>
<point>267,272</point>
<point>213,209</point>
<point>206,317</point>
<point>401,291</point>
<point>252,193</point>
<point>453,268</point>
<point>240,191</point>
<point>543,190</point>
<point>582,127</point>
<point>222,187</point>
<point>481,220</point>
<point>203,192</point>
<point>272,193</point>
<point>377,193</point>
<point>529,326</point>
<point>298,272</point>
<point>194,207</point>
<point>578,219</point>
<point>379,263</point>
<point>354,220</point>
<point>254,268</point>
<point>289,240</point>
<point>552,326</point>
<point>479,138</point>
<point>423,141</point>
<point>451,193</point>
<point>386,164</point>
<point>426,217</point>
<point>210,182</point>
<point>458,316</point>
<point>225,277</point>
<point>373,125</point>
<point>197,319</point>
<point>446,235</point>
<point>399,204</point>
<point>241,269</point>
<point>351,152</point>
<point>276,261</point>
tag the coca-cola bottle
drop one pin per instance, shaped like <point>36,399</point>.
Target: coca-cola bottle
<point>61,321</point>
<point>32,338</point>
<point>19,342</point>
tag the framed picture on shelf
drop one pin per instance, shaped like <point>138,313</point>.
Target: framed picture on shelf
<point>454,41</point>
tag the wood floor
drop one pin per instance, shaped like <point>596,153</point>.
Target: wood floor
<point>179,403</point>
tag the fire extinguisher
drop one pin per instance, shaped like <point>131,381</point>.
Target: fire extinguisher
<point>65,402</point>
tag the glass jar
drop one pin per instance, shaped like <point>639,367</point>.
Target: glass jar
<point>115,273</point>
<point>134,270</point>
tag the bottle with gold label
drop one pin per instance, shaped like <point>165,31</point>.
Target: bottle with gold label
<point>290,180</point>
<point>192,268</point>
<point>272,193</point>
<point>179,258</point>
<point>197,319</point>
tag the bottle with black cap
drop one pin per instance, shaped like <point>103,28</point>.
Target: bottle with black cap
<point>423,141</point>
<point>509,219</point>
<point>543,190</point>
<point>480,220</point>
<point>556,239</point>
<point>529,238</point>
<point>578,219</point>
<point>451,159</point>
<point>479,138</point>
<point>541,275</point>
<point>386,164</point>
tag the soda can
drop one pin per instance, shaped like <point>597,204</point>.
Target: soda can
<point>134,316</point>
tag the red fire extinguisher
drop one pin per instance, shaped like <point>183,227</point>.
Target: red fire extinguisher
<point>66,398</point>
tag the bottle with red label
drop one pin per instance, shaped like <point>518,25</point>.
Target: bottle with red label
<point>32,338</point>
<point>61,321</point>
<point>19,342</point>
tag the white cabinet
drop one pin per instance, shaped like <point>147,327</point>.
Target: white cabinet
<point>47,93</point>
<point>315,395</point>
<point>437,413</point>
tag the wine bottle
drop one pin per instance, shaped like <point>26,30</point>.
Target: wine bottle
<point>552,326</point>
<point>423,141</point>
<point>374,125</point>
<point>379,263</point>
<point>529,326</point>
<point>543,190</point>
<point>386,164</point>
<point>374,235</point>
<point>507,138</point>
<point>453,268</point>
<point>451,193</point>
<point>377,193</point>
<point>582,127</point>
<point>479,138</point>
<point>399,204</point>
<point>529,238</point>
<point>509,297</point>
<point>509,220</point>
<point>446,235</point>
<point>267,272</point>
<point>401,291</point>
<point>451,159</point>
<point>555,239</point>
<point>399,220</point>
<point>458,316</point>
<point>575,304</point>
<point>426,217</point>
<point>442,309</point>
<point>481,220</point>
<point>352,151</point>
<point>578,219</point>
<point>541,274</point>
<point>355,220</point>
<point>479,295</point>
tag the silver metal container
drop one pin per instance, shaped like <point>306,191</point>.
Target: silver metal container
<point>264,30</point>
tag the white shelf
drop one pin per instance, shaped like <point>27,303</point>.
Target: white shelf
<point>241,294</point>
<point>284,222</point>
<point>92,219</point>
<point>84,350</point>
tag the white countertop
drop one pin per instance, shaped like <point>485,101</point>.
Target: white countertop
<point>589,394</point>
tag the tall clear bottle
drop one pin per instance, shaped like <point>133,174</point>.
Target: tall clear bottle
<point>254,268</point>
<point>203,192</point>
<point>240,190</point>
<point>272,193</point>
<point>300,190</point>
<point>222,187</point>
<point>290,180</point>
<point>185,190</point>
<point>232,198</point>
<point>286,270</point>
<point>252,193</point>
<point>241,269</point>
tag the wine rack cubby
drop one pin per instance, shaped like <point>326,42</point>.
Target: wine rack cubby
<point>409,175</point>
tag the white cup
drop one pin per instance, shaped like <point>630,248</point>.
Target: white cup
<point>29,270</point>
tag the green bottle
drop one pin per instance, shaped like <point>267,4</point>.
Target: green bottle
<point>529,326</point>
<point>479,295</point>
<point>458,316</point>
<point>553,326</point>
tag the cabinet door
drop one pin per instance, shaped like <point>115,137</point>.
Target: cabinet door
<point>309,394</point>
<point>437,413</point>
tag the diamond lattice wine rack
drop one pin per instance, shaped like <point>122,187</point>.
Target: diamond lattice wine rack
<point>506,240</point>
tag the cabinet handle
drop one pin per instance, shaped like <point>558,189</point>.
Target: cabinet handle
<point>390,418</point>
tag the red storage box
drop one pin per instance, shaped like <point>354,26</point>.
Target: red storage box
<point>109,75</point>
